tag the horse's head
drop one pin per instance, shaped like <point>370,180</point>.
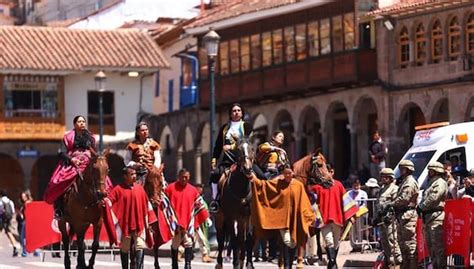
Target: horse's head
<point>154,183</point>
<point>319,169</point>
<point>99,170</point>
<point>245,154</point>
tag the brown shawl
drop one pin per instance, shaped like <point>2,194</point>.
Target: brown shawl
<point>277,204</point>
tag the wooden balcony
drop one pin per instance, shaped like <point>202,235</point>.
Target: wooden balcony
<point>29,130</point>
<point>349,68</point>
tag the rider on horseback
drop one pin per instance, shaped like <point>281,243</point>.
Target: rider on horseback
<point>225,145</point>
<point>75,154</point>
<point>271,158</point>
<point>144,151</point>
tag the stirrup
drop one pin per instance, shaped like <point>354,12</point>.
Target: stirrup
<point>214,207</point>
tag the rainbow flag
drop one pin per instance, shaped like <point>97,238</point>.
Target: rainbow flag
<point>350,206</point>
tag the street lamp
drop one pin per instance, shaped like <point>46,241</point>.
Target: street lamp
<point>211,42</point>
<point>100,79</point>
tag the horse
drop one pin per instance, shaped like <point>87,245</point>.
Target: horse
<point>82,205</point>
<point>311,169</point>
<point>233,218</point>
<point>153,187</point>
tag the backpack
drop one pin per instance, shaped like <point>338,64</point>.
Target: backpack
<point>7,211</point>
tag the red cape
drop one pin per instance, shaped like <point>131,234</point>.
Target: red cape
<point>131,207</point>
<point>185,202</point>
<point>330,202</point>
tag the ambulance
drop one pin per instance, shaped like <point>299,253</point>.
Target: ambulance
<point>441,142</point>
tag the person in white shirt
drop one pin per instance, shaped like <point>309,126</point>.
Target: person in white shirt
<point>7,213</point>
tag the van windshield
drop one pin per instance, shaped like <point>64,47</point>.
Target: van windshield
<point>419,159</point>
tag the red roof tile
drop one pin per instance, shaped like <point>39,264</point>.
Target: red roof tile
<point>236,8</point>
<point>63,49</point>
<point>404,5</point>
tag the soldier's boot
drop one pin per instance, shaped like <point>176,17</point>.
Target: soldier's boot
<point>174,258</point>
<point>188,256</point>
<point>332,264</point>
<point>124,257</point>
<point>140,255</point>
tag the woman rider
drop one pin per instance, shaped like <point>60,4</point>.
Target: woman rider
<point>75,155</point>
<point>225,145</point>
<point>271,158</point>
<point>144,151</point>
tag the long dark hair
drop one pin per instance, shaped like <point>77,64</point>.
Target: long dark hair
<point>232,106</point>
<point>76,118</point>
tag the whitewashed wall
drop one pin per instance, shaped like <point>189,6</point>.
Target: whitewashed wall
<point>126,96</point>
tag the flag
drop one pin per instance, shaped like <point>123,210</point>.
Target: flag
<point>350,206</point>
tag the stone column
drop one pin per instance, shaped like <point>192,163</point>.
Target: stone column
<point>198,165</point>
<point>179,158</point>
<point>353,134</point>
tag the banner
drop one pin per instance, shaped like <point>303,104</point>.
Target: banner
<point>421,246</point>
<point>457,227</point>
<point>42,229</point>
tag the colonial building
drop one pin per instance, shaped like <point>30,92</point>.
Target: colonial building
<point>47,76</point>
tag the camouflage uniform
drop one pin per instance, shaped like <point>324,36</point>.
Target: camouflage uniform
<point>388,228</point>
<point>432,209</point>
<point>405,212</point>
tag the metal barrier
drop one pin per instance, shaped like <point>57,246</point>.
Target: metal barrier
<point>364,236</point>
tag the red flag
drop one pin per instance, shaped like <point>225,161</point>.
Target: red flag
<point>41,228</point>
<point>457,227</point>
<point>421,245</point>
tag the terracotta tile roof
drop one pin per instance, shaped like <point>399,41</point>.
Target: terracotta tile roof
<point>236,8</point>
<point>409,6</point>
<point>63,49</point>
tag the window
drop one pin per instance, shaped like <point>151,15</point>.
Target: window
<point>224,58</point>
<point>31,96</point>
<point>325,36</point>
<point>93,111</point>
<point>313,38</point>
<point>470,34</point>
<point>349,41</point>
<point>289,33</point>
<point>337,34</point>
<point>300,39</point>
<point>454,39</point>
<point>245,53</point>
<point>277,37</point>
<point>203,64</point>
<point>436,42</point>
<point>170,94</point>
<point>420,45</point>
<point>234,56</point>
<point>404,48</point>
<point>267,48</point>
<point>256,51</point>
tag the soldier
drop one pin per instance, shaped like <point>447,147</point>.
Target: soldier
<point>431,208</point>
<point>404,206</point>
<point>385,216</point>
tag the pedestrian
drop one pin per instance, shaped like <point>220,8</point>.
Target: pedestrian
<point>144,151</point>
<point>330,201</point>
<point>377,153</point>
<point>271,158</point>
<point>357,194</point>
<point>404,206</point>
<point>133,210</point>
<point>431,208</point>
<point>201,233</point>
<point>25,198</point>
<point>7,211</point>
<point>360,196</point>
<point>225,145</point>
<point>282,204</point>
<point>190,213</point>
<point>385,218</point>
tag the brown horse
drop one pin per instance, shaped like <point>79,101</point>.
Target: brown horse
<point>82,207</point>
<point>233,218</point>
<point>311,169</point>
<point>153,187</point>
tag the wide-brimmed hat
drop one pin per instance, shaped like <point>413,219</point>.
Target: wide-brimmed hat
<point>372,182</point>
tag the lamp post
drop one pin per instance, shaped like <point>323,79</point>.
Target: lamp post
<point>100,79</point>
<point>211,42</point>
